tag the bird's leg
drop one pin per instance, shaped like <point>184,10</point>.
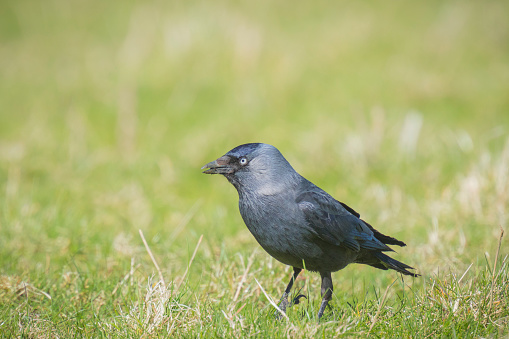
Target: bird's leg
<point>326,292</point>
<point>283,302</point>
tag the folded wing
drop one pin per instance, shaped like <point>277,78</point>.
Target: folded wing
<point>334,223</point>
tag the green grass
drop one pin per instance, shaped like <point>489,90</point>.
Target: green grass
<point>109,109</point>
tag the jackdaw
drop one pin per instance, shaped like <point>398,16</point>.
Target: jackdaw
<point>298,223</point>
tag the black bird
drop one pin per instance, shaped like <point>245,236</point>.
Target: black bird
<point>298,223</point>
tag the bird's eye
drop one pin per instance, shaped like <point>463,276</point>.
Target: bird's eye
<point>243,161</point>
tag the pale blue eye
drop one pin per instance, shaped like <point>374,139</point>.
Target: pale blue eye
<point>243,161</point>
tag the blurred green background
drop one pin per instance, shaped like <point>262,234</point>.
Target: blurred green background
<point>108,109</point>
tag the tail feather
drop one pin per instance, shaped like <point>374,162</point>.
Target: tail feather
<point>386,262</point>
<point>384,238</point>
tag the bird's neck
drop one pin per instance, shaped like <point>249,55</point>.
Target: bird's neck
<point>270,189</point>
<point>276,186</point>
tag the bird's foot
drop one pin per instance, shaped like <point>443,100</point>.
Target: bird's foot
<point>296,299</point>
<point>325,304</point>
<point>283,304</point>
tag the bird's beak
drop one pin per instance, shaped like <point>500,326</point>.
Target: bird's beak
<point>219,166</point>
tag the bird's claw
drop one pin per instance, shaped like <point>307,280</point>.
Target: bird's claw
<point>284,304</point>
<point>296,299</point>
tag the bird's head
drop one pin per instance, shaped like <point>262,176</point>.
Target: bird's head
<point>252,166</point>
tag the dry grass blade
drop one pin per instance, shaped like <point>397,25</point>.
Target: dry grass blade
<point>380,306</point>
<point>271,301</point>
<point>468,269</point>
<point>495,266</point>
<point>25,288</point>
<point>152,257</point>
<point>189,215</point>
<point>190,261</point>
<point>249,263</point>
<point>126,277</point>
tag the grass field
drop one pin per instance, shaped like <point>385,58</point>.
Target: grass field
<point>108,109</point>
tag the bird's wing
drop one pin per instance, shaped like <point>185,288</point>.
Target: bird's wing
<point>334,223</point>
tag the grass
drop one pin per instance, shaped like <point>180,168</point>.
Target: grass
<point>109,109</point>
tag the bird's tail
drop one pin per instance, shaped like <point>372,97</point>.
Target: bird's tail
<point>385,262</point>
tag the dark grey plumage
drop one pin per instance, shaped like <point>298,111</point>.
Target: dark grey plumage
<point>298,223</point>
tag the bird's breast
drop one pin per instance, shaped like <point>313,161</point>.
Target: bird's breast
<point>266,215</point>
<point>279,227</point>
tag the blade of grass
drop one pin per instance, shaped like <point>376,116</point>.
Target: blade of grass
<point>380,306</point>
<point>152,257</point>
<point>190,262</point>
<point>249,263</point>
<point>271,301</point>
<point>495,267</point>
